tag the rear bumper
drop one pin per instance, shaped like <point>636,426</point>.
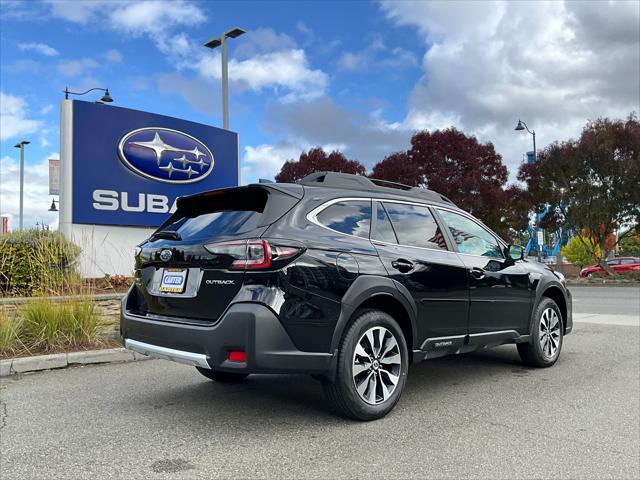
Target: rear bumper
<point>251,327</point>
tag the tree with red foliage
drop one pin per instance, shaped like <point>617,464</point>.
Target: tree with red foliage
<point>593,184</point>
<point>456,165</point>
<point>317,160</point>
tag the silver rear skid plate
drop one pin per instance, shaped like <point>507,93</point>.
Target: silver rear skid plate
<point>156,351</point>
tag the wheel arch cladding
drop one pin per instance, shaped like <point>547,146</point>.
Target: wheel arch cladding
<point>370,291</point>
<point>555,294</point>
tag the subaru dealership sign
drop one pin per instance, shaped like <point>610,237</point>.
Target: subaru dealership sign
<point>122,171</point>
<point>130,166</point>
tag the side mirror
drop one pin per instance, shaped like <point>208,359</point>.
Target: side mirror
<point>515,252</point>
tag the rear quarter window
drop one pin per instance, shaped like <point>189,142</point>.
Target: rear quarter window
<point>352,217</point>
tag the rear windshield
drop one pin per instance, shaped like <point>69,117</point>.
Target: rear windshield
<point>227,212</point>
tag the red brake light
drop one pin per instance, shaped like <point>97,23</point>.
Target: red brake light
<point>237,356</point>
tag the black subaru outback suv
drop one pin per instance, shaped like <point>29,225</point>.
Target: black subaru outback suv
<point>339,276</point>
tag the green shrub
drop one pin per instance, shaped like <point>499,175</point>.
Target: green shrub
<point>630,246</point>
<point>575,252</point>
<point>37,261</point>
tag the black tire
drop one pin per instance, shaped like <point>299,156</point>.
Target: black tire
<point>533,353</point>
<point>222,377</point>
<point>342,392</point>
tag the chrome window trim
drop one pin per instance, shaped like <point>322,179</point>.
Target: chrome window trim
<point>312,217</point>
<point>313,214</point>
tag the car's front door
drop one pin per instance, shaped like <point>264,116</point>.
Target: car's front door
<point>414,252</point>
<point>501,292</point>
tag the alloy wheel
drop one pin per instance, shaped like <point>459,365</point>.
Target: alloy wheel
<point>549,333</point>
<point>376,365</point>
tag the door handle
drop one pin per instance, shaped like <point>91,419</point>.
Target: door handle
<point>477,273</point>
<point>402,265</point>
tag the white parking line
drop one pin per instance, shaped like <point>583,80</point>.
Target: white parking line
<point>628,320</point>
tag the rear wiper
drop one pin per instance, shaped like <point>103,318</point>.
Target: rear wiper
<point>167,234</point>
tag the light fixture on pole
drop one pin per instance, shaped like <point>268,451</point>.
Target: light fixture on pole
<point>21,147</point>
<point>53,207</point>
<point>523,126</point>
<point>217,42</point>
<point>106,98</point>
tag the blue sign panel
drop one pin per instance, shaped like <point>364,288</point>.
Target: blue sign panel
<point>130,166</point>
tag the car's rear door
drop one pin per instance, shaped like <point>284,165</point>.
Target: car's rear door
<point>415,253</point>
<point>501,291</point>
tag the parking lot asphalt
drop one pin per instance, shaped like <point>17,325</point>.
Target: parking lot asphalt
<point>480,415</point>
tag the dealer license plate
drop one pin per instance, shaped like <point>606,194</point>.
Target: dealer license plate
<point>173,280</point>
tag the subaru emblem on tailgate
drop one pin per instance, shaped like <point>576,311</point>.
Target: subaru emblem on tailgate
<point>165,255</point>
<point>165,155</point>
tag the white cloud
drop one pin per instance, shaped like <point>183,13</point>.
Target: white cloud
<point>36,192</point>
<point>131,17</point>
<point>262,40</point>
<point>287,69</point>
<point>73,68</point>
<point>377,55</point>
<point>287,72</point>
<point>13,117</point>
<point>263,58</point>
<point>113,56</point>
<point>40,48</point>
<point>46,109</point>
<point>555,64</point>
<point>154,17</point>
<point>265,161</point>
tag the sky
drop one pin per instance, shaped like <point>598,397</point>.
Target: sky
<point>356,76</point>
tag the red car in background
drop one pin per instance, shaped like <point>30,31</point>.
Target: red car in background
<point>619,265</point>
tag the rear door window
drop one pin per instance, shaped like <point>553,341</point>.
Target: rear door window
<point>383,230</point>
<point>415,226</point>
<point>352,217</point>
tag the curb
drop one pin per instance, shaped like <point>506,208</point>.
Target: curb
<point>11,366</point>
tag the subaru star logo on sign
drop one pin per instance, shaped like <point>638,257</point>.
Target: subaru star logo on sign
<point>166,155</point>
<point>129,167</point>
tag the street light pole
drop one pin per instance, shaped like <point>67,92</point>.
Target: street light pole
<point>222,42</point>
<point>225,83</point>
<point>523,126</point>
<point>21,147</point>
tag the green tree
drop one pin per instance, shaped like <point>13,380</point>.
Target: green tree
<point>630,246</point>
<point>592,183</point>
<point>575,252</point>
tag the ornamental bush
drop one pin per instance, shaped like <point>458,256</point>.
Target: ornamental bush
<point>575,252</point>
<point>37,262</point>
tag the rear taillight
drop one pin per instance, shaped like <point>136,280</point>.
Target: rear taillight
<point>253,254</point>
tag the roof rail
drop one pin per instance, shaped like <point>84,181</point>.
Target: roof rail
<point>348,180</point>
